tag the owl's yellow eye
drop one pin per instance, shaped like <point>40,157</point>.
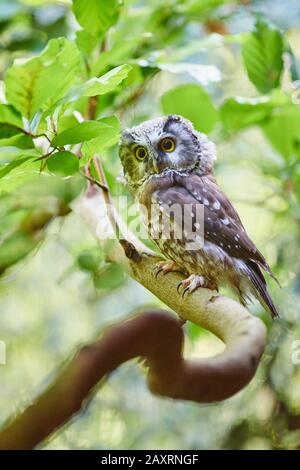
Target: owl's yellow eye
<point>167,144</point>
<point>141,153</point>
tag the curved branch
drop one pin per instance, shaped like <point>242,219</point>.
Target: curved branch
<point>155,335</point>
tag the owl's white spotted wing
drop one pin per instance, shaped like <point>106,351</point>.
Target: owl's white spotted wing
<point>222,225</point>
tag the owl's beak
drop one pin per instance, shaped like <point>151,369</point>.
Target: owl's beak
<point>155,166</point>
<point>156,163</point>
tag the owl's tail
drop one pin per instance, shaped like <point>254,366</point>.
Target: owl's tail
<point>260,287</point>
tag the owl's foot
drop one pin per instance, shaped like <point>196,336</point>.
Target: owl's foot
<point>192,283</point>
<point>166,267</point>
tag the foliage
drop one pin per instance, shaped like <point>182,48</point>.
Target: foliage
<point>72,75</point>
<point>262,53</point>
<point>182,99</point>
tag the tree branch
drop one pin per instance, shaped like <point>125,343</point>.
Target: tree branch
<point>155,335</point>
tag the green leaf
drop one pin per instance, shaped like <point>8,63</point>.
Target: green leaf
<point>238,113</point>
<point>262,53</point>
<point>275,113</point>
<point>40,82</point>
<point>8,115</point>
<point>282,130</point>
<point>66,121</point>
<point>86,42</point>
<point>19,176</point>
<point>14,248</point>
<point>90,260</point>
<point>42,186</point>
<point>7,131</point>
<point>63,163</point>
<point>19,171</point>
<point>82,132</point>
<point>12,137</point>
<point>111,277</point>
<point>192,102</point>
<point>120,52</point>
<point>96,16</point>
<point>107,138</point>
<point>14,164</point>
<point>99,86</point>
<point>106,83</point>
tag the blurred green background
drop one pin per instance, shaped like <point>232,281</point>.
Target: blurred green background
<point>51,303</point>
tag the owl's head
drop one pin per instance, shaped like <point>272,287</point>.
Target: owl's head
<point>162,144</point>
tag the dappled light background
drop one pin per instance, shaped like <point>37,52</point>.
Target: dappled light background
<point>51,301</point>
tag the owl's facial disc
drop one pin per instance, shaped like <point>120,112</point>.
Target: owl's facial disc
<point>165,143</point>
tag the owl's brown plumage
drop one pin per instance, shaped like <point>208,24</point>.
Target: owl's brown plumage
<point>181,177</point>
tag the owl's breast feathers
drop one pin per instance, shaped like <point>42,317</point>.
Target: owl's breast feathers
<point>226,243</point>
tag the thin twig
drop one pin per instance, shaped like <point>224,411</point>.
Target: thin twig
<point>93,181</point>
<point>129,249</point>
<point>45,155</point>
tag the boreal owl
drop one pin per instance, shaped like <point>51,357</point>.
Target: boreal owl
<point>167,162</point>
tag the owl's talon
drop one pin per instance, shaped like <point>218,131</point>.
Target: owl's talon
<point>156,271</point>
<point>192,283</point>
<point>165,267</point>
<point>184,292</point>
<point>178,287</point>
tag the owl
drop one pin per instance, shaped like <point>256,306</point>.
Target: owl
<point>167,164</point>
